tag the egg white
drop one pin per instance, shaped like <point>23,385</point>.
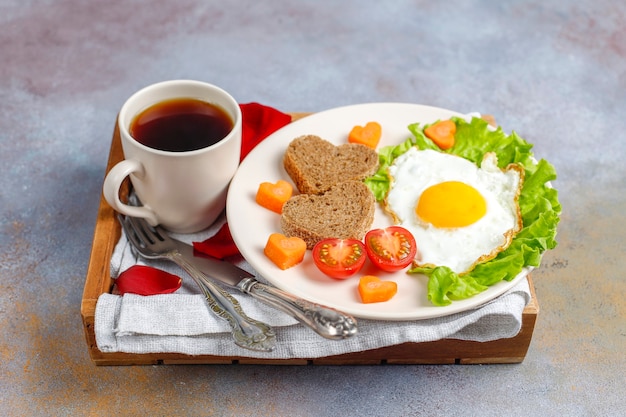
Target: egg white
<point>460,248</point>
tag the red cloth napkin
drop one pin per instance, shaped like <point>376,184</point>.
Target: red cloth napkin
<point>259,122</point>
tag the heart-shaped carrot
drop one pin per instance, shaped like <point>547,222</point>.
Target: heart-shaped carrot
<point>368,135</point>
<point>285,251</point>
<point>442,133</point>
<point>272,196</point>
<point>373,290</point>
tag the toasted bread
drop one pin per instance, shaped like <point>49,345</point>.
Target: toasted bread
<point>315,165</point>
<point>344,211</point>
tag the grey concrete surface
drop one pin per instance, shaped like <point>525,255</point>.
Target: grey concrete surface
<point>553,71</point>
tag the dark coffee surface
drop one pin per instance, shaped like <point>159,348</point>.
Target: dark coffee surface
<point>181,125</point>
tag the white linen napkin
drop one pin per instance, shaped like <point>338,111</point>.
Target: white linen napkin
<point>182,323</point>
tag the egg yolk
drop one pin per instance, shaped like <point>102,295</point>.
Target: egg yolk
<point>451,204</point>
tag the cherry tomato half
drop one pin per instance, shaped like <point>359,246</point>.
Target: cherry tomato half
<point>390,249</point>
<point>339,258</point>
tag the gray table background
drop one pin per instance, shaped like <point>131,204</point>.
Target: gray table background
<point>553,71</point>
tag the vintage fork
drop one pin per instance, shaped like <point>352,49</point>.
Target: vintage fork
<point>154,243</point>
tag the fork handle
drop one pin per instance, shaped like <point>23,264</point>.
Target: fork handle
<point>327,322</point>
<point>247,332</point>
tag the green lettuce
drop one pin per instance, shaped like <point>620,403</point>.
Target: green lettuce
<point>538,201</point>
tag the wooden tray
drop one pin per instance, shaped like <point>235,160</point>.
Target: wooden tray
<point>446,351</point>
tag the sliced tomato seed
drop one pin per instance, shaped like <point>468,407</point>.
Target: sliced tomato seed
<point>329,258</point>
<point>401,244</point>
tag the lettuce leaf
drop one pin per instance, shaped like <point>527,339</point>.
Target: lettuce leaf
<point>538,201</point>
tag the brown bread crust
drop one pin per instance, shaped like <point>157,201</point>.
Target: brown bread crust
<point>344,211</point>
<point>315,165</point>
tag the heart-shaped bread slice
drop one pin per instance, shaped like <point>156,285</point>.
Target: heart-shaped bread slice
<point>315,165</point>
<point>344,211</point>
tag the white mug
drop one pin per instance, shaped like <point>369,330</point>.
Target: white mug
<point>185,191</point>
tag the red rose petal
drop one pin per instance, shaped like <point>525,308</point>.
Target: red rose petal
<point>145,280</point>
<point>219,246</point>
<point>259,121</point>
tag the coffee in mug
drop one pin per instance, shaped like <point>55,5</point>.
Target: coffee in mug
<point>181,125</point>
<point>181,141</point>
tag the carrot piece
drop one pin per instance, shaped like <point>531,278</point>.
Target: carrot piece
<point>285,251</point>
<point>373,290</point>
<point>368,135</point>
<point>442,133</point>
<point>273,196</point>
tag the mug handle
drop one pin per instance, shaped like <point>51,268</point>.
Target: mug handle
<point>111,190</point>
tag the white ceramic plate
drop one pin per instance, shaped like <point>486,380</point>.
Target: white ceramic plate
<point>251,224</point>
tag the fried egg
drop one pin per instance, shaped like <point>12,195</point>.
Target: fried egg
<point>460,214</point>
